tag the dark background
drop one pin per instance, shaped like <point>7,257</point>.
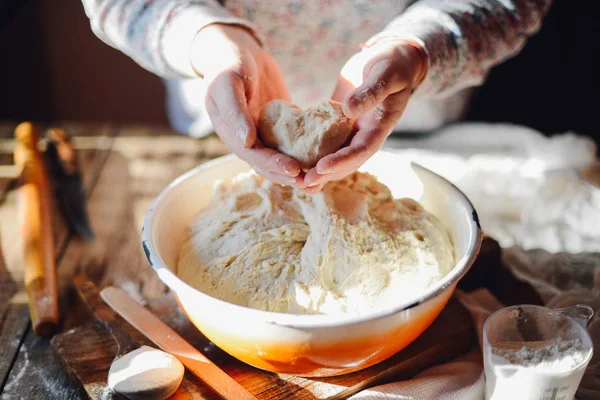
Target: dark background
<point>53,68</point>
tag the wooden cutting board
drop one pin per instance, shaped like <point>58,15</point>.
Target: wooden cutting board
<point>87,351</point>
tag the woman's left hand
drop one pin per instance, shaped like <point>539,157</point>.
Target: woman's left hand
<point>374,87</point>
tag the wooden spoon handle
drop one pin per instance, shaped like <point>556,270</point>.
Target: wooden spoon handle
<point>169,341</point>
<point>36,232</point>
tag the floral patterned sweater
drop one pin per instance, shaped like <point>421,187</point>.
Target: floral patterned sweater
<point>311,41</point>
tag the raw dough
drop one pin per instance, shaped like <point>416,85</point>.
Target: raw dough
<point>349,249</point>
<point>307,136</point>
<point>146,373</point>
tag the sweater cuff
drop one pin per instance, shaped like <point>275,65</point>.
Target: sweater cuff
<point>181,27</point>
<point>441,39</point>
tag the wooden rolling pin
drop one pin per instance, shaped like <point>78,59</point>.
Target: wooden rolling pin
<point>36,232</point>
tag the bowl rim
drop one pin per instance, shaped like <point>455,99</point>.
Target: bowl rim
<point>308,321</point>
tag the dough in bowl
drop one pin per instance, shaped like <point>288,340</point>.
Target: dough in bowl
<point>307,136</point>
<point>349,249</point>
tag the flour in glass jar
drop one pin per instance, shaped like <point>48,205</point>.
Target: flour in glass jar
<point>559,355</point>
<point>548,370</point>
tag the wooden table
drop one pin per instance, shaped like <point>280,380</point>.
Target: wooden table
<point>124,169</point>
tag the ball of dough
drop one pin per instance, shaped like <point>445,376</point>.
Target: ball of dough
<point>305,135</point>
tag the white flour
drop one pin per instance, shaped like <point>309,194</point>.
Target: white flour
<point>535,370</point>
<point>558,356</point>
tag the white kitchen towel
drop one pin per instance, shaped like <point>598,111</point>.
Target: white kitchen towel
<point>461,379</point>
<point>530,199</point>
<point>524,185</point>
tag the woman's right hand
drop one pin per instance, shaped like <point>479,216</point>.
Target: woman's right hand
<point>242,77</point>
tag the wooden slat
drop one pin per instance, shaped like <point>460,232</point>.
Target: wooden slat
<point>14,323</point>
<point>14,316</point>
<point>7,128</point>
<point>7,169</point>
<point>90,364</point>
<point>142,162</point>
<point>37,374</point>
<point>91,161</point>
<point>93,144</point>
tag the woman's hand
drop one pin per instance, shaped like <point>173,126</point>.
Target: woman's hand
<point>374,87</point>
<point>241,78</point>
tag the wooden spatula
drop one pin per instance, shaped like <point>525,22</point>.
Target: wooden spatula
<point>168,340</point>
<point>140,385</point>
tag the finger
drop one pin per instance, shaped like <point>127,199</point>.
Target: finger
<point>313,177</point>
<point>313,189</point>
<point>300,180</point>
<point>380,80</point>
<point>321,180</point>
<point>229,108</point>
<point>278,178</point>
<point>373,129</point>
<point>258,156</point>
<point>349,159</point>
<point>268,160</point>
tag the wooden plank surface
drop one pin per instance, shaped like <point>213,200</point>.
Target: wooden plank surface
<point>122,183</point>
<point>37,374</point>
<point>13,315</point>
<point>87,352</point>
<point>142,161</point>
<point>89,349</point>
<point>7,170</point>
<point>123,174</point>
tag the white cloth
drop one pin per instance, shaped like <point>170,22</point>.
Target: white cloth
<point>522,184</point>
<point>461,379</point>
<point>529,199</point>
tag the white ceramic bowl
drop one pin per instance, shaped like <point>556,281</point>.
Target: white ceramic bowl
<point>309,345</point>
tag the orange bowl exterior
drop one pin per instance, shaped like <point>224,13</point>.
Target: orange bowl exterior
<point>324,359</point>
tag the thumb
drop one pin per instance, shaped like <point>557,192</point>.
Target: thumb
<point>380,79</point>
<point>227,106</point>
